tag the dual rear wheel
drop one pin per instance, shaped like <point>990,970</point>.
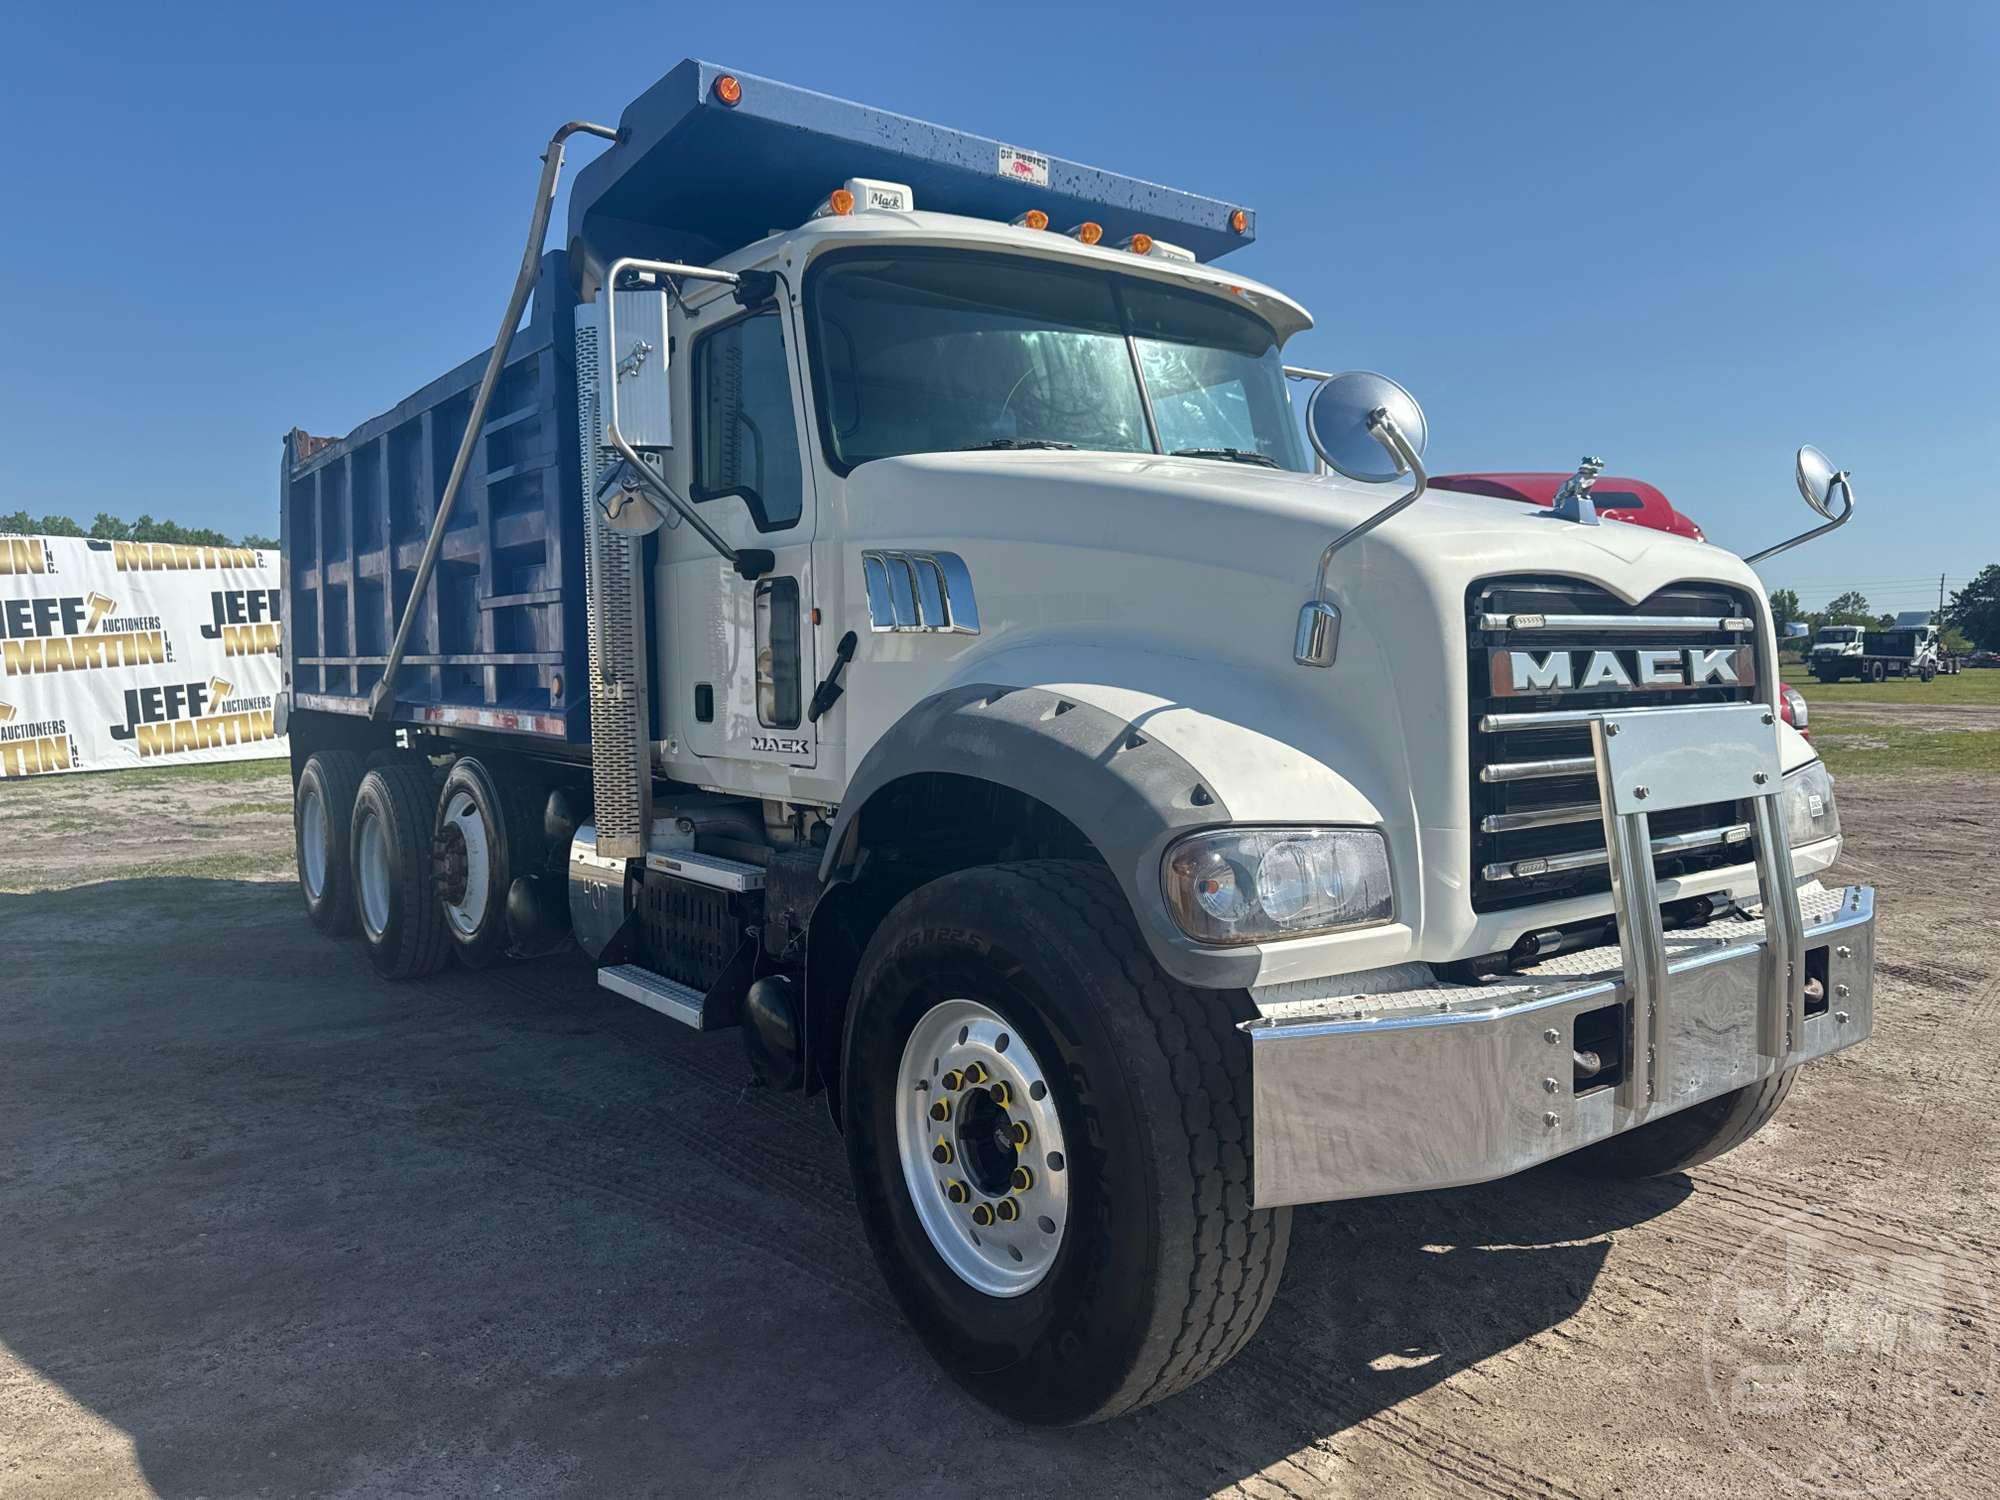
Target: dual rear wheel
<point>419,869</point>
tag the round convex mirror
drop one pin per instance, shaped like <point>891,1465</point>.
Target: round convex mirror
<point>1337,421</point>
<point>1816,477</point>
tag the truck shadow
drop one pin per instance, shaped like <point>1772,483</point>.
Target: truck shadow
<point>285,1226</point>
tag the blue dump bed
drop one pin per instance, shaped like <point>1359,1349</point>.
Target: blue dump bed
<point>499,641</point>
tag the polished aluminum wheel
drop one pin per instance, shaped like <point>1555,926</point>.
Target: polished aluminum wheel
<point>312,841</point>
<point>469,910</point>
<point>982,1148</point>
<point>371,850</point>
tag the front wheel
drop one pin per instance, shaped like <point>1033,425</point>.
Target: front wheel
<point>1050,1142</point>
<point>1691,1136</point>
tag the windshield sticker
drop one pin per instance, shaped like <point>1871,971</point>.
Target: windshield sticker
<point>1023,166</point>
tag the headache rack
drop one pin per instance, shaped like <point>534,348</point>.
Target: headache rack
<point>1537,827</point>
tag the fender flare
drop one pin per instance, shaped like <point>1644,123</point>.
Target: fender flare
<point>1125,791</point>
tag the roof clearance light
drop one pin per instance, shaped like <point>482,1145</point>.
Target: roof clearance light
<point>1088,231</point>
<point>1139,244</point>
<point>836,204</point>
<point>1239,221</point>
<point>1034,218</point>
<point>728,89</point>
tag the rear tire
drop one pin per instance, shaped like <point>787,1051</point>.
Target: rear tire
<point>1691,1136</point>
<point>1878,671</point>
<point>485,835</point>
<point>322,814</point>
<point>1161,1270</point>
<point>402,920</point>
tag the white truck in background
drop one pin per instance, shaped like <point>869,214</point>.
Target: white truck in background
<point>1135,823</point>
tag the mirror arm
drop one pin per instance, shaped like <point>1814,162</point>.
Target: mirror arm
<point>1382,427</point>
<point>1847,509</point>
<point>752,563</point>
<point>1317,641</point>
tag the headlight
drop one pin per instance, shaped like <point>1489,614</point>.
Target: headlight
<point>1244,885</point>
<point>1809,811</point>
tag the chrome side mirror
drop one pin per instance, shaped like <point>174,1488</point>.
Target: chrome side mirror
<point>1346,419</point>
<point>1366,427</point>
<point>1825,489</point>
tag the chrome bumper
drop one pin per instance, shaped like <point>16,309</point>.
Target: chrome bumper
<point>1410,1084</point>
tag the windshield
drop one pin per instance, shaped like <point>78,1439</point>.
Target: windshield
<point>927,351</point>
<point>1837,635</point>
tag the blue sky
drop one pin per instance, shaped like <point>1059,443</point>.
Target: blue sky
<point>1684,237</point>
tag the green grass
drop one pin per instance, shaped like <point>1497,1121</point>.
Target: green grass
<point>169,777</point>
<point>1870,746</point>
<point>230,809</point>
<point>1981,685</point>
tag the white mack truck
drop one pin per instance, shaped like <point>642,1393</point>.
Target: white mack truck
<point>919,635</point>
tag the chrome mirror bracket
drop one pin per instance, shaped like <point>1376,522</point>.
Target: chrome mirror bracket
<point>1316,642</point>
<point>1835,482</point>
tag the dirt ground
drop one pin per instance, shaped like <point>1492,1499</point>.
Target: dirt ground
<point>271,1226</point>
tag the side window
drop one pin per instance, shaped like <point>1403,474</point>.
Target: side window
<point>746,442</point>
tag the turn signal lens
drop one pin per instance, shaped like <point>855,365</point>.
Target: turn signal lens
<point>1034,218</point>
<point>840,201</point>
<point>1088,231</point>
<point>1239,221</point>
<point>1140,244</point>
<point>728,90</point>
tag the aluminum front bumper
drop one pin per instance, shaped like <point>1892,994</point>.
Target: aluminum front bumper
<point>1396,1082</point>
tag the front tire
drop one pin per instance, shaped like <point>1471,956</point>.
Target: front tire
<point>1151,1269</point>
<point>1691,1136</point>
<point>402,920</point>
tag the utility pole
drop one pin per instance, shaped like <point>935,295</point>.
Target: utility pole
<point>1940,613</point>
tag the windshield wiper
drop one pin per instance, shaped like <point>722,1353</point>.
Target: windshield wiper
<point>1234,455</point>
<point>1017,443</point>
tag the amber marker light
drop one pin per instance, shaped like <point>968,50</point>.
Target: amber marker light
<point>1140,244</point>
<point>1239,221</point>
<point>1089,232</point>
<point>1034,218</point>
<point>728,90</point>
<point>840,201</point>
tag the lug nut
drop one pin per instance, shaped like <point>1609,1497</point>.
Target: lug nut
<point>1020,1135</point>
<point>1006,1210</point>
<point>956,1191</point>
<point>1022,1180</point>
<point>954,1080</point>
<point>1001,1094</point>
<point>941,1109</point>
<point>941,1152</point>
<point>977,1073</point>
<point>982,1214</point>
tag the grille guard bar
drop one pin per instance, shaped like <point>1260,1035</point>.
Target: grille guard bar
<point>1412,1084</point>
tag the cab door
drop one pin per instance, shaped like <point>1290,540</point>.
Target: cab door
<point>737,667</point>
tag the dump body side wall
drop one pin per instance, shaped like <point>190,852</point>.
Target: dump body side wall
<point>499,641</point>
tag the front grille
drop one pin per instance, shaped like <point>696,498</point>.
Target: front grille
<point>1537,833</point>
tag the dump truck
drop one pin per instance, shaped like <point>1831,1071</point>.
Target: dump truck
<point>1841,651</point>
<point>888,591</point>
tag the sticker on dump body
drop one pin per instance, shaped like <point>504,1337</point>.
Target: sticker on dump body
<point>1023,166</point>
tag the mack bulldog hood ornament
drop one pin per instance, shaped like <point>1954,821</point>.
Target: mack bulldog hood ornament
<point>1573,502</point>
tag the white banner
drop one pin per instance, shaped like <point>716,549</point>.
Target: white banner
<point>116,654</point>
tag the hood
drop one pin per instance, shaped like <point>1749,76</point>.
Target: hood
<point>1654,509</point>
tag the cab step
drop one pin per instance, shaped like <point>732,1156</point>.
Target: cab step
<point>682,1002</point>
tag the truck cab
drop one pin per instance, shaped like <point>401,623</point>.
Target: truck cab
<point>1138,805</point>
<point>1831,642</point>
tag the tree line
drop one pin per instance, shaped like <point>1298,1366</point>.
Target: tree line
<point>1971,617</point>
<point>109,528</point>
